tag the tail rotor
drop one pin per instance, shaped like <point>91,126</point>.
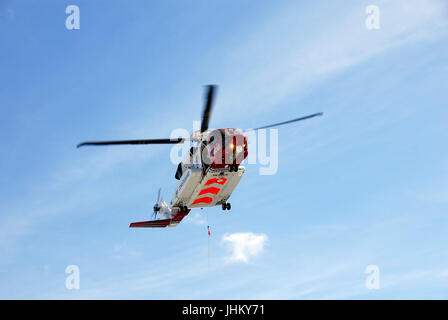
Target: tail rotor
<point>157,206</point>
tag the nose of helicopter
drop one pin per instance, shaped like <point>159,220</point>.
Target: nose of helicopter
<point>237,147</point>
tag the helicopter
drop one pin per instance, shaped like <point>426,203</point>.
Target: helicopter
<point>209,172</point>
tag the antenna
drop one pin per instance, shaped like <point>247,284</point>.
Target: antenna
<point>208,243</point>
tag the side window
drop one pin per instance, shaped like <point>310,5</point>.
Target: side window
<point>178,174</point>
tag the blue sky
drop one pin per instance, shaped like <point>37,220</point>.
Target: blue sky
<point>364,185</point>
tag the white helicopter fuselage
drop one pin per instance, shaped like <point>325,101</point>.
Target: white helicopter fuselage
<point>211,170</point>
<point>197,189</point>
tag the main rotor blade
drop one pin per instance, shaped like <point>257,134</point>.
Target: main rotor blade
<point>289,121</point>
<point>142,141</point>
<point>206,113</point>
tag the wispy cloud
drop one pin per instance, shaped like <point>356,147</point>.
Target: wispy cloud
<point>295,61</point>
<point>243,246</point>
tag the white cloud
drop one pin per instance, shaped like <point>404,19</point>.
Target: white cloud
<point>243,246</point>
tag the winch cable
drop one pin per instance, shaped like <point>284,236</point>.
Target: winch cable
<point>208,242</point>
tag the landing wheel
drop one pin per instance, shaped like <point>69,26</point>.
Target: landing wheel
<point>233,168</point>
<point>183,209</point>
<point>224,206</point>
<point>228,206</point>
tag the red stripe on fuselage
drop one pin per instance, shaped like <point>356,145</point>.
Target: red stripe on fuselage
<point>203,200</point>
<point>220,181</point>
<point>212,190</point>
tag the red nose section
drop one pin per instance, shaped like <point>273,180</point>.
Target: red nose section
<point>231,150</point>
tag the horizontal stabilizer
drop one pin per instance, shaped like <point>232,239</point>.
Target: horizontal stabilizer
<point>162,223</point>
<point>151,224</point>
